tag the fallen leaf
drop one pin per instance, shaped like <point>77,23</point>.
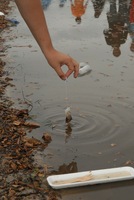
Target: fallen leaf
<point>129,162</point>
<point>27,144</point>
<point>31,141</point>
<point>11,192</point>
<point>32,124</point>
<point>16,123</point>
<point>46,137</point>
<point>13,166</point>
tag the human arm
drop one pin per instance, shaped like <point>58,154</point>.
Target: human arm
<point>32,13</point>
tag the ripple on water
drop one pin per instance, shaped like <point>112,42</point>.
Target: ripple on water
<point>105,121</point>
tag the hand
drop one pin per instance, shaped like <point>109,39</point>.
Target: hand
<point>57,59</point>
<point>34,17</point>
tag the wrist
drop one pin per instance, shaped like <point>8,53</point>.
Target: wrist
<point>48,51</point>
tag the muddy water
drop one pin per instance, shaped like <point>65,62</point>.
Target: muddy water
<point>102,103</point>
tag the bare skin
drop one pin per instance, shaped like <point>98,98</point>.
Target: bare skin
<point>32,13</point>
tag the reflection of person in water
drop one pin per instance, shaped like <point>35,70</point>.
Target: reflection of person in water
<point>131,25</point>
<point>118,30</point>
<point>62,2</point>
<point>98,7</point>
<point>45,3</point>
<point>78,8</point>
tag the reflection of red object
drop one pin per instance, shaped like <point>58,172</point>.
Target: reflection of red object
<point>78,9</point>
<point>131,16</point>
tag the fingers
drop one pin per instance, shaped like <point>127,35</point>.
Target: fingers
<point>58,60</point>
<point>72,67</point>
<point>60,73</point>
<point>76,70</point>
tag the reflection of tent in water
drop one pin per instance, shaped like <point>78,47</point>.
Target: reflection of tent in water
<point>45,3</point>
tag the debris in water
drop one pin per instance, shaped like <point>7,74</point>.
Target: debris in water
<point>75,180</point>
<point>68,114</point>
<point>84,69</point>
<point>1,14</point>
<point>47,137</point>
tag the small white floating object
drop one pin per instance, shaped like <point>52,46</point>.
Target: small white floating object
<point>1,14</point>
<point>90,177</point>
<point>84,69</point>
<point>68,114</point>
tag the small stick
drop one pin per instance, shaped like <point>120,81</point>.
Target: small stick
<point>75,180</point>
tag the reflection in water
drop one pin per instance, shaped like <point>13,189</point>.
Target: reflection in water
<point>62,2</point>
<point>68,131</point>
<point>78,8</point>
<point>120,19</point>
<point>131,25</point>
<point>117,33</point>
<point>98,7</point>
<point>46,3</point>
<point>65,169</point>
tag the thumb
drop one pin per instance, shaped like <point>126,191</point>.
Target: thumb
<point>60,73</point>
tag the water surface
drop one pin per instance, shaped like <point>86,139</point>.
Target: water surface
<point>101,132</point>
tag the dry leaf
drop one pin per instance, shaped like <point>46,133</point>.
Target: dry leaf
<point>31,141</point>
<point>11,192</point>
<point>16,123</point>
<point>46,137</point>
<point>13,166</point>
<point>129,162</point>
<point>27,144</point>
<point>32,124</point>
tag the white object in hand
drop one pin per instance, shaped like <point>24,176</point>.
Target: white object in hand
<point>84,69</point>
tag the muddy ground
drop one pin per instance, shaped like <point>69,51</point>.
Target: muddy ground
<point>22,172</point>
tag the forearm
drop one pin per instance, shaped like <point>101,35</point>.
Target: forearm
<point>32,13</point>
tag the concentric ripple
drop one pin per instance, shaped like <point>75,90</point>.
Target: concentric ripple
<point>94,123</point>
